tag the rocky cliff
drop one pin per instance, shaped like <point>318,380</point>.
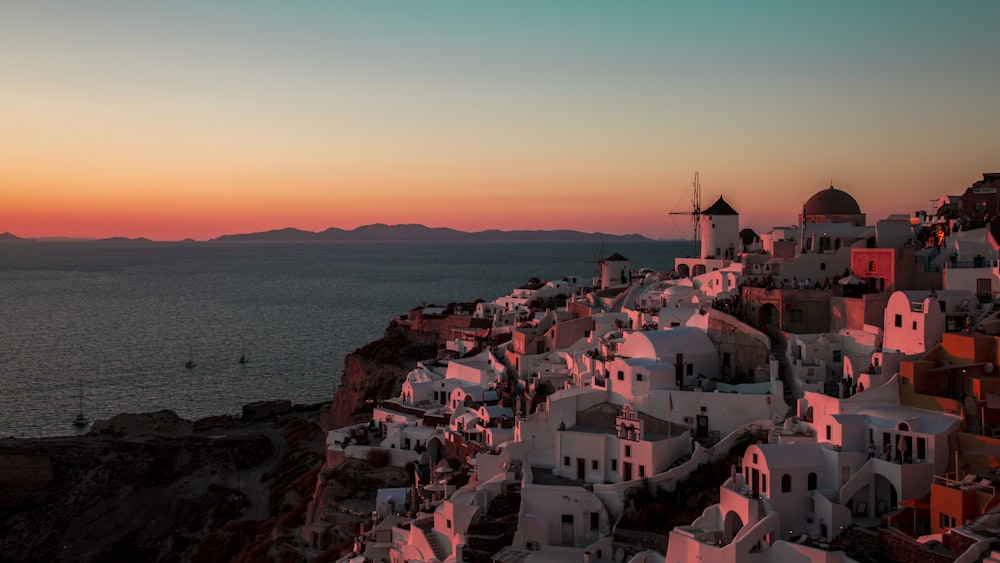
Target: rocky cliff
<point>153,487</point>
<point>375,372</point>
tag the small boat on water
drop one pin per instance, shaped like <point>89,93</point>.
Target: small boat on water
<point>189,364</point>
<point>81,419</point>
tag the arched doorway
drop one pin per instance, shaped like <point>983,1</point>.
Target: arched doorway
<point>732,526</point>
<point>435,450</point>
<point>886,497</point>
<point>769,319</point>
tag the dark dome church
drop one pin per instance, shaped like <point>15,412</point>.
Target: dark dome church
<point>832,206</point>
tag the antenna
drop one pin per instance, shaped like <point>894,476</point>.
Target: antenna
<point>695,212</point>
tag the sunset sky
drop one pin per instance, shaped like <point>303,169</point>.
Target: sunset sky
<point>198,118</point>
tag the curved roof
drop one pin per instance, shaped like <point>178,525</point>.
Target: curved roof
<point>831,201</point>
<point>664,344</point>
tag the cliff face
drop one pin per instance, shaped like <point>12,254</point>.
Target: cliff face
<point>374,372</point>
<point>115,499</point>
<point>148,489</point>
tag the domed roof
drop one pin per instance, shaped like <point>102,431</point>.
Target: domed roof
<point>831,201</point>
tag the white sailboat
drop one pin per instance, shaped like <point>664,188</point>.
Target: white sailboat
<point>81,419</point>
<point>189,364</point>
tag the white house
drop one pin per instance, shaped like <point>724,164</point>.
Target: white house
<point>561,523</point>
<point>611,445</point>
<point>915,320</point>
<point>660,359</point>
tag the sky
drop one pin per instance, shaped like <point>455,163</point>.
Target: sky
<point>201,118</point>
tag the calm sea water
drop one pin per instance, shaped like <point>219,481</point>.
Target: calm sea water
<point>118,321</point>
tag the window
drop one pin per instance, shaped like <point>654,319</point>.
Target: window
<point>829,431</point>
<point>899,321</point>
<point>755,459</point>
<point>914,325</point>
<point>621,375</point>
<point>812,482</point>
<point>448,524</point>
<point>406,444</point>
<point>614,465</point>
<point>593,465</point>
<point>566,461</point>
<point>786,483</point>
<point>690,369</point>
<point>642,471</point>
<point>983,287</point>
<point>944,522</point>
<point>838,356</point>
<point>628,451</point>
<point>763,482</point>
<point>595,520</point>
<point>638,377</point>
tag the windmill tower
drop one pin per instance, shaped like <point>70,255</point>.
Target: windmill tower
<point>695,212</point>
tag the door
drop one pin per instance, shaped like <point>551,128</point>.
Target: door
<point>679,371</point>
<point>701,430</point>
<point>567,529</point>
<point>627,471</point>
<point>580,469</point>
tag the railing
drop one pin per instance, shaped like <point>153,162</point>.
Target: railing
<point>968,483</point>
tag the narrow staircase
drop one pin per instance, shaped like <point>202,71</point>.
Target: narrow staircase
<point>439,551</point>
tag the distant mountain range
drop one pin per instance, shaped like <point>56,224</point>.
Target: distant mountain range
<point>385,233</point>
<point>8,237</point>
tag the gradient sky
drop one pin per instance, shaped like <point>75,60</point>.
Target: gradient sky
<point>197,119</point>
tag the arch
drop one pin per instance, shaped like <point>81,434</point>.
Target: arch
<point>698,270</point>
<point>683,270</point>
<point>732,525</point>
<point>769,317</point>
<point>903,427</point>
<point>413,554</point>
<point>436,450</point>
<point>886,496</point>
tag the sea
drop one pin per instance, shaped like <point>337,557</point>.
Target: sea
<point>108,326</point>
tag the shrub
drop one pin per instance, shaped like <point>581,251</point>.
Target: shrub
<point>378,458</point>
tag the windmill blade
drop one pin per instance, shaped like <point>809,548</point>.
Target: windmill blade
<point>696,211</point>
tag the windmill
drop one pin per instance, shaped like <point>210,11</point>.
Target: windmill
<point>599,255</point>
<point>695,212</point>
